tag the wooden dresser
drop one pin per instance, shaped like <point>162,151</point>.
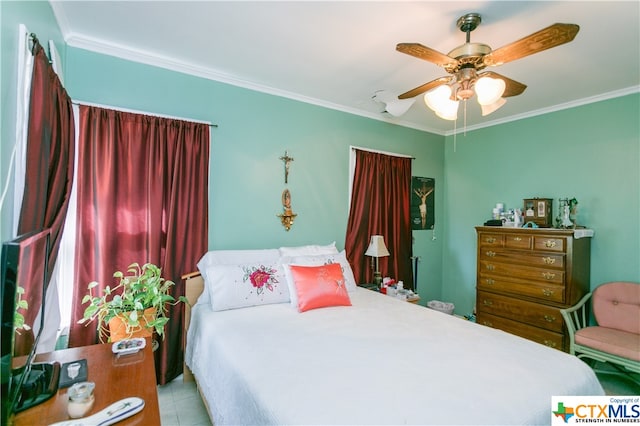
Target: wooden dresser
<point>525,276</point>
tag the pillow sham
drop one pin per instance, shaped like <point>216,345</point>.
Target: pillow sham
<point>325,259</point>
<point>244,285</point>
<point>318,286</point>
<point>232,257</point>
<point>308,250</point>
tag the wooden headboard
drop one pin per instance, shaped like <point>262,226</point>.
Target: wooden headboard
<point>193,288</point>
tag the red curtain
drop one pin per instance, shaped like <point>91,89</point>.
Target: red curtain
<point>50,157</point>
<point>142,197</point>
<point>380,206</point>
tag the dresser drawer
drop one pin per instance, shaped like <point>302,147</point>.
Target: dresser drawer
<point>489,239</point>
<point>544,337</point>
<point>543,243</point>
<point>545,292</point>
<point>518,241</point>
<point>521,271</point>
<point>545,260</point>
<point>536,314</point>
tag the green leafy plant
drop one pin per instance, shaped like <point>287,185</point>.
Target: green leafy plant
<point>18,317</point>
<point>142,287</point>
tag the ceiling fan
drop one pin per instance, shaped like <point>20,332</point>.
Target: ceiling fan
<point>465,62</point>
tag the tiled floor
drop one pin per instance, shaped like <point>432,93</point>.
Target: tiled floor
<point>180,403</point>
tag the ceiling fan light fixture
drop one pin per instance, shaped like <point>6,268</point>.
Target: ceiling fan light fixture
<point>489,90</point>
<point>450,113</point>
<point>488,109</point>
<point>439,100</point>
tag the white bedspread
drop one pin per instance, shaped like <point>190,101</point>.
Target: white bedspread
<point>380,361</point>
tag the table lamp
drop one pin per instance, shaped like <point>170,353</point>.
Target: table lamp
<point>377,249</point>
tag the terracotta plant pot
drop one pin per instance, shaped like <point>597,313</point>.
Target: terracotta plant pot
<point>118,329</point>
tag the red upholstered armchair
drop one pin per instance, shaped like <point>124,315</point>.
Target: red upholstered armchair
<point>616,337</point>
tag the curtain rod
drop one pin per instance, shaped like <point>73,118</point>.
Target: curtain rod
<point>383,152</point>
<point>208,123</point>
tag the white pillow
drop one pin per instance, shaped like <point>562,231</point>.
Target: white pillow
<point>232,257</point>
<point>309,250</point>
<point>246,284</point>
<point>323,259</point>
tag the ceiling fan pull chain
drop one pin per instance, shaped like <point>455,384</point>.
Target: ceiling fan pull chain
<point>455,134</point>
<point>465,117</point>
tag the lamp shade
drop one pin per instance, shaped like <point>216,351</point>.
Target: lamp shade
<point>488,109</point>
<point>489,90</point>
<point>439,100</point>
<point>376,247</point>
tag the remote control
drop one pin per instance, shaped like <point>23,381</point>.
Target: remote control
<point>115,412</point>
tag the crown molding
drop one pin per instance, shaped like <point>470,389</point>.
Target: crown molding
<point>554,108</point>
<point>134,55</point>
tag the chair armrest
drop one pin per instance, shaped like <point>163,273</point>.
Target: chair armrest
<point>576,317</point>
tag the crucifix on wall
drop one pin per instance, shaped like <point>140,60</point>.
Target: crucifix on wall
<point>287,160</point>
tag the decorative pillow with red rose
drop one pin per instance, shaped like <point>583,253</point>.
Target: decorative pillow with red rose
<point>242,285</point>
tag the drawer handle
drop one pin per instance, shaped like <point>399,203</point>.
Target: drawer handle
<point>549,275</point>
<point>491,267</point>
<point>547,292</point>
<point>486,302</point>
<point>550,343</point>
<point>490,240</point>
<point>487,323</point>
<point>490,281</point>
<point>549,318</point>
<point>550,243</point>
<point>491,253</point>
<point>549,260</point>
<point>517,239</point>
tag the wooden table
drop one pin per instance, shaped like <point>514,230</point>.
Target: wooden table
<point>115,378</point>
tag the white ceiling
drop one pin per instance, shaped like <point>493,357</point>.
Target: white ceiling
<point>338,54</point>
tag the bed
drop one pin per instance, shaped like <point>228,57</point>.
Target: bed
<point>379,360</point>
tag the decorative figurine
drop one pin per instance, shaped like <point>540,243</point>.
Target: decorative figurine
<point>288,216</point>
<point>567,213</point>
<point>573,211</point>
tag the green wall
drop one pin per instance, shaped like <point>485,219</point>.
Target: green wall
<point>590,152</point>
<point>39,19</point>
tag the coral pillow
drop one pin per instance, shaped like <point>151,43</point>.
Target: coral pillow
<point>319,286</point>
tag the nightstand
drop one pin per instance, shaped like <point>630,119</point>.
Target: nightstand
<point>115,378</point>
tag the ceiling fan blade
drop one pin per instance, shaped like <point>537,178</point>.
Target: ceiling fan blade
<point>428,54</point>
<point>513,88</point>
<point>552,36</point>
<point>425,87</point>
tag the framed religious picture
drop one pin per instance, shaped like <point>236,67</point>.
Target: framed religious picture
<point>422,203</point>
